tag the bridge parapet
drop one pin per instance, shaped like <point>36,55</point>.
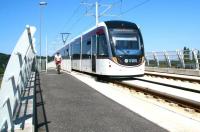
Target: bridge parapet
<point>16,76</point>
<point>184,59</point>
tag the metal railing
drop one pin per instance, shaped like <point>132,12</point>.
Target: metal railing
<point>41,65</point>
<point>15,77</point>
<point>186,59</point>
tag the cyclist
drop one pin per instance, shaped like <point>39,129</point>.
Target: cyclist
<point>58,60</point>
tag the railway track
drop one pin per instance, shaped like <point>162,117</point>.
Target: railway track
<point>186,100</point>
<point>181,96</point>
<point>174,77</point>
<point>180,101</point>
<point>170,85</point>
<point>153,107</point>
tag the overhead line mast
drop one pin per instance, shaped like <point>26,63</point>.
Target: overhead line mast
<point>97,13</point>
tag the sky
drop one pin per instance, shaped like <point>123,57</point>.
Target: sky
<point>166,25</point>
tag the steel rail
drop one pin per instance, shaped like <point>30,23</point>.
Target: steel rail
<point>187,103</point>
<point>170,85</point>
<point>175,77</point>
<point>166,96</point>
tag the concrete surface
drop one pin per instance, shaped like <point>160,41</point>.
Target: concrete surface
<point>171,118</point>
<point>67,104</point>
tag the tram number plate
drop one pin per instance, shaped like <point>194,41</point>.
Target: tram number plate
<point>130,60</point>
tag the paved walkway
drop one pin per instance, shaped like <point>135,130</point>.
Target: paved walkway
<point>65,104</point>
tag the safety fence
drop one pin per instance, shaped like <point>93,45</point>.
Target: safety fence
<point>41,64</point>
<point>185,59</point>
<point>15,79</point>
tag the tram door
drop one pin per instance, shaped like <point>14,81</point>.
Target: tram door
<point>94,53</point>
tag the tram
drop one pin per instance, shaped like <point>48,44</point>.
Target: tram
<point>113,48</point>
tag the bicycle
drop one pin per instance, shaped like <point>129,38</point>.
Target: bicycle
<point>58,68</point>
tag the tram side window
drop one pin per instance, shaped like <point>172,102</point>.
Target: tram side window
<point>76,50</point>
<point>63,54</point>
<point>67,52</point>
<point>93,45</point>
<point>71,50</point>
<point>102,47</point>
<point>86,48</point>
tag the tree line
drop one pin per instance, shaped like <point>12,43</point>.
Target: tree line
<point>3,62</point>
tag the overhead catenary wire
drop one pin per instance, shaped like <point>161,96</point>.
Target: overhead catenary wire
<point>67,21</point>
<point>78,20</point>
<point>70,18</point>
<point>75,12</point>
<point>77,33</point>
<point>115,3</point>
<point>134,7</point>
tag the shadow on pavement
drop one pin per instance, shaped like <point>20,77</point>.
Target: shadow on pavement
<point>26,100</point>
<point>41,123</point>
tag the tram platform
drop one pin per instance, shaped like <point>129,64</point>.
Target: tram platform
<point>63,103</point>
